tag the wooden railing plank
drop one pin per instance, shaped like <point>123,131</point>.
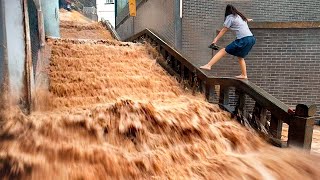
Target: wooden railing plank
<point>275,128</point>
<point>224,95</point>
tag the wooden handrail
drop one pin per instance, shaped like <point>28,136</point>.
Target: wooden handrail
<point>271,103</point>
<point>300,128</point>
<point>110,28</point>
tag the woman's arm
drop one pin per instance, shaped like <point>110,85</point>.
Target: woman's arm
<point>221,33</point>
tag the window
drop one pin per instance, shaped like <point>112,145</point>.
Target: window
<point>109,2</point>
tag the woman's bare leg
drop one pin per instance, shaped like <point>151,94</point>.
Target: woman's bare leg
<point>215,59</point>
<point>243,67</point>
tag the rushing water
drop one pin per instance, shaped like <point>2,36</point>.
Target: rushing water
<point>112,112</point>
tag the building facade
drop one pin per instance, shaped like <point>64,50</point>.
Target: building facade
<point>106,10</point>
<point>285,60</point>
<point>121,4</point>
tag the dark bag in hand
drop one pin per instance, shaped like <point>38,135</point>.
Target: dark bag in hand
<point>214,46</point>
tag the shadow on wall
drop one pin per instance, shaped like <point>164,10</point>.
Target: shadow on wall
<point>3,58</point>
<point>34,33</point>
<point>155,15</point>
<point>62,3</point>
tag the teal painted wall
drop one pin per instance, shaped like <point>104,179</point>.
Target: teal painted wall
<point>50,9</point>
<point>121,4</point>
<point>3,44</point>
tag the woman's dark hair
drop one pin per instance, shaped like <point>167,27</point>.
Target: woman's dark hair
<point>232,10</point>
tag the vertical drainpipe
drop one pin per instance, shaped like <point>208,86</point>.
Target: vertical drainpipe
<point>4,86</point>
<point>50,9</point>
<point>28,60</point>
<point>40,23</point>
<point>181,8</point>
<point>178,24</point>
<point>115,13</point>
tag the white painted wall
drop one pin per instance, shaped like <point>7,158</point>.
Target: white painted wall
<point>15,35</point>
<point>106,11</point>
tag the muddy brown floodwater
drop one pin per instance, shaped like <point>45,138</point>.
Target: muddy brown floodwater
<point>113,113</point>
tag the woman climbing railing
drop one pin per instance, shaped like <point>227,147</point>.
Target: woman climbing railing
<point>268,113</point>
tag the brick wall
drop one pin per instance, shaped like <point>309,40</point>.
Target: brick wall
<point>3,61</point>
<point>202,18</point>
<point>284,62</point>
